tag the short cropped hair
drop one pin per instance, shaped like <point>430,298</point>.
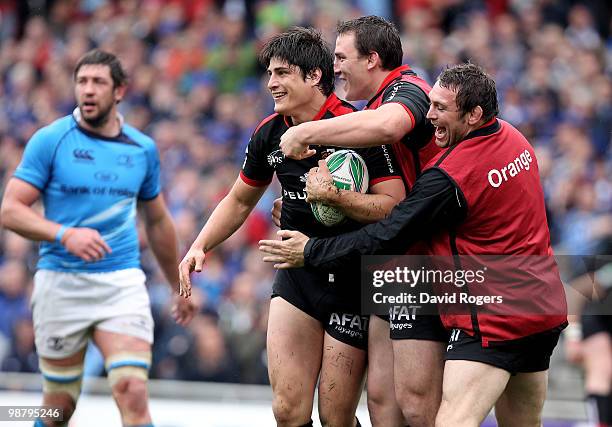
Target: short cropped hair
<point>375,34</point>
<point>473,87</point>
<point>101,57</point>
<point>306,49</point>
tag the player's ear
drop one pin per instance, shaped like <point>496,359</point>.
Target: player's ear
<point>373,60</point>
<point>315,76</point>
<point>475,115</point>
<point>119,92</point>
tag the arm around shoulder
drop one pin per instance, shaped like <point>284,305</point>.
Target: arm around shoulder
<point>387,124</point>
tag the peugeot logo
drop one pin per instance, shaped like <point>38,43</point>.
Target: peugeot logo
<point>82,154</point>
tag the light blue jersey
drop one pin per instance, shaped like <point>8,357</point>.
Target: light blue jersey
<point>87,180</point>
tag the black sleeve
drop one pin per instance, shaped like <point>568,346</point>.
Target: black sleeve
<point>380,162</point>
<point>434,203</point>
<point>411,97</point>
<point>256,169</point>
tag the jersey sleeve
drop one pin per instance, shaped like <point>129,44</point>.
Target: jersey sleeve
<point>37,161</point>
<point>151,186</point>
<point>257,170</point>
<point>409,96</point>
<point>381,164</point>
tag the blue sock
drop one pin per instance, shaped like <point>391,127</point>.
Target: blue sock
<point>38,423</point>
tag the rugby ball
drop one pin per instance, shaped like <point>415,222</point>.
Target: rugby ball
<point>350,173</point>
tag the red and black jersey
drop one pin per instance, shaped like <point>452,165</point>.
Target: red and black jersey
<point>480,200</point>
<point>403,86</point>
<point>264,158</point>
<point>505,216</point>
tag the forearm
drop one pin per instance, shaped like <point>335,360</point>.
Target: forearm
<point>433,204</point>
<point>227,217</point>
<point>364,208</point>
<point>356,130</point>
<point>27,222</point>
<point>346,249</point>
<point>162,241</point>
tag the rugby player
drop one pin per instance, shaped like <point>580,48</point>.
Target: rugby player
<point>314,327</point>
<point>368,59</point>
<point>91,170</point>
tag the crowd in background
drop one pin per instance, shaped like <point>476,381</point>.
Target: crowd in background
<point>196,87</point>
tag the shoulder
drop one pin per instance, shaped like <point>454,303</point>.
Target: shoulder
<point>268,123</point>
<point>338,107</point>
<point>58,127</point>
<point>138,137</point>
<point>52,134</point>
<point>405,88</point>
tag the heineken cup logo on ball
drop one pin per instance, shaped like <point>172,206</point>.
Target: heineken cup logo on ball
<point>350,173</point>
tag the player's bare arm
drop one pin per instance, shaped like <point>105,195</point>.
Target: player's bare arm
<point>366,208</point>
<point>385,125</point>
<point>18,215</point>
<point>227,217</point>
<point>162,240</point>
<point>288,253</point>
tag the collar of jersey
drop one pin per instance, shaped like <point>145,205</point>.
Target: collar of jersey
<point>76,114</point>
<point>327,105</point>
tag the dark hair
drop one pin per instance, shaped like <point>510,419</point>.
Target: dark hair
<point>100,57</point>
<point>473,87</point>
<point>304,48</point>
<point>375,34</point>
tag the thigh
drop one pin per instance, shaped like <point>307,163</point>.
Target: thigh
<point>113,343</point>
<point>597,350</point>
<point>380,358</point>
<point>342,372</point>
<point>71,360</point>
<point>469,391</point>
<point>123,304</point>
<point>294,348</point>
<point>418,366</point>
<point>521,403</point>
<point>62,315</point>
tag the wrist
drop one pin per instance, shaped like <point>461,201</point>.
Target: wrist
<point>198,248</point>
<point>59,235</point>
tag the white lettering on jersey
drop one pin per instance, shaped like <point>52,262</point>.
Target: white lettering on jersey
<point>294,195</point>
<point>520,163</point>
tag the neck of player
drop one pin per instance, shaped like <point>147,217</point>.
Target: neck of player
<point>110,128</point>
<point>310,110</point>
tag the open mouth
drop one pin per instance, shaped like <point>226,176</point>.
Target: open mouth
<point>88,106</point>
<point>278,95</point>
<point>440,132</point>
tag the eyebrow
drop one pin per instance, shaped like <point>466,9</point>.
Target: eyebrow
<point>279,69</point>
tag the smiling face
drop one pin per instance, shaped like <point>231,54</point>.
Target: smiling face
<point>96,94</point>
<point>451,124</point>
<point>291,92</point>
<point>351,68</point>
